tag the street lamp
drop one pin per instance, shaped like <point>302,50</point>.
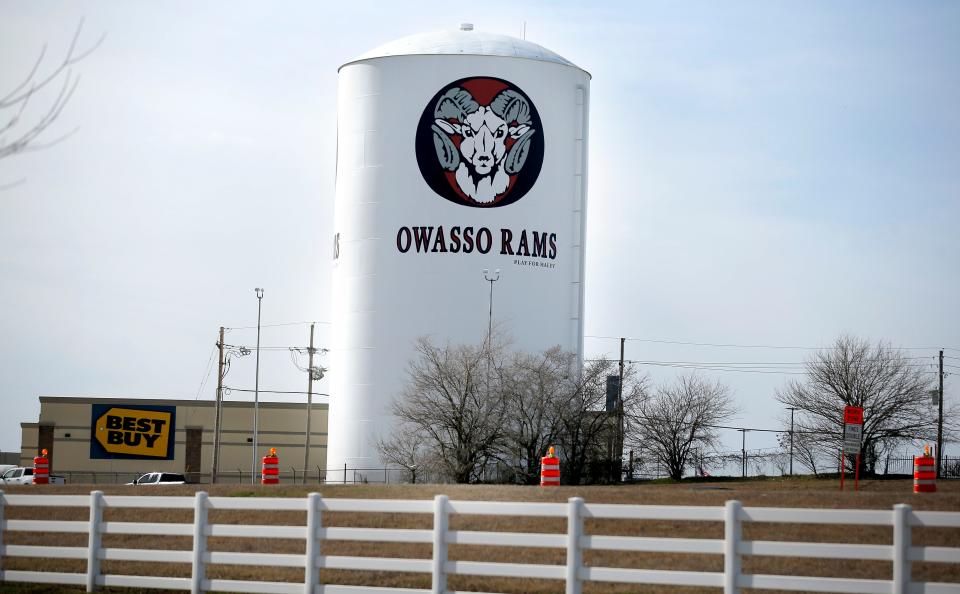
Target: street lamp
<point>490,279</point>
<point>256,394</point>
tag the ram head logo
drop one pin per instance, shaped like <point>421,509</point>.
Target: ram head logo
<point>484,146</point>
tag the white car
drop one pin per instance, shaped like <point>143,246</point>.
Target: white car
<point>24,476</point>
<point>160,478</point>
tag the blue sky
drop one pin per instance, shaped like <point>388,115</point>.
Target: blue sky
<point>761,173</point>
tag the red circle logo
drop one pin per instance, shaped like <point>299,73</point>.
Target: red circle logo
<point>479,142</point>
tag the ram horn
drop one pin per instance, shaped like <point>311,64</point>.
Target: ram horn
<point>511,106</point>
<point>447,152</point>
<point>455,103</point>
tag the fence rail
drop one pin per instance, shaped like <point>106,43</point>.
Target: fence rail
<point>901,553</point>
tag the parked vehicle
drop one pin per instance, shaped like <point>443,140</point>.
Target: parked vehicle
<point>160,478</point>
<point>24,476</point>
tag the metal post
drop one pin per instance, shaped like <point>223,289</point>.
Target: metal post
<point>306,437</point>
<point>256,396</point>
<point>218,413</point>
<point>901,548</point>
<point>311,576</point>
<point>791,438</point>
<point>491,280</point>
<point>743,453</point>
<point>731,542</point>
<point>940,419</point>
<point>199,542</point>
<point>574,552</point>
<point>93,540</point>
<point>440,526</point>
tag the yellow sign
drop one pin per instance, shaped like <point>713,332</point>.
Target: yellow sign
<point>134,432</point>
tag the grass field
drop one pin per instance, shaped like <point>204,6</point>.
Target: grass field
<point>799,492</point>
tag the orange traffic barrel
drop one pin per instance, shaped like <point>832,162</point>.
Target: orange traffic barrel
<point>41,469</point>
<point>924,474</point>
<point>270,474</point>
<point>550,470</point>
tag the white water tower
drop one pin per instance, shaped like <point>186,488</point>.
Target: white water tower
<point>457,151</point>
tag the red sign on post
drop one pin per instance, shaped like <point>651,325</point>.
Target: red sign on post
<point>853,415</point>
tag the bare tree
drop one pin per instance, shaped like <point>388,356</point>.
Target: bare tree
<point>589,434</point>
<point>447,402</point>
<point>406,447</point>
<point>679,419</point>
<point>535,389</point>
<point>19,133</point>
<point>893,391</point>
<point>805,449</point>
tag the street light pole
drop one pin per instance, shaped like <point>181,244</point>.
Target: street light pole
<point>490,279</point>
<point>256,394</point>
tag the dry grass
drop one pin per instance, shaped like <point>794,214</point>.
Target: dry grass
<point>771,493</point>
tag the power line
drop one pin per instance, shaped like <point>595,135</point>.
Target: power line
<point>276,325</point>
<point>226,388</point>
<point>746,346</point>
<point>789,368</point>
<point>785,363</point>
<point>274,348</point>
<point>206,375</point>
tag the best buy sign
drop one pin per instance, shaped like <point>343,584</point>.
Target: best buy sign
<point>132,431</point>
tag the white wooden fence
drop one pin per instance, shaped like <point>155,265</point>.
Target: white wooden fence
<point>732,547</point>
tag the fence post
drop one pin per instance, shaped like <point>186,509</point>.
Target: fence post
<point>901,548</point>
<point>440,524</point>
<point>311,575</point>
<point>574,552</point>
<point>93,540</point>
<point>2,503</point>
<point>731,543</point>
<point>199,542</point>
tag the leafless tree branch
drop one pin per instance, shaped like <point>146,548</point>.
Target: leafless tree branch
<point>893,392</point>
<point>33,84</point>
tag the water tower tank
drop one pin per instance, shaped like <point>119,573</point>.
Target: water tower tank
<point>457,152</point>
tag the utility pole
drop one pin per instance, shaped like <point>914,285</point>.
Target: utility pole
<point>940,417</point>
<point>743,453</point>
<point>791,409</point>
<point>218,413</point>
<point>620,436</point>
<point>256,395</point>
<point>306,438</point>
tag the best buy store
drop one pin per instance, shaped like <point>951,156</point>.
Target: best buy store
<point>114,439</point>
